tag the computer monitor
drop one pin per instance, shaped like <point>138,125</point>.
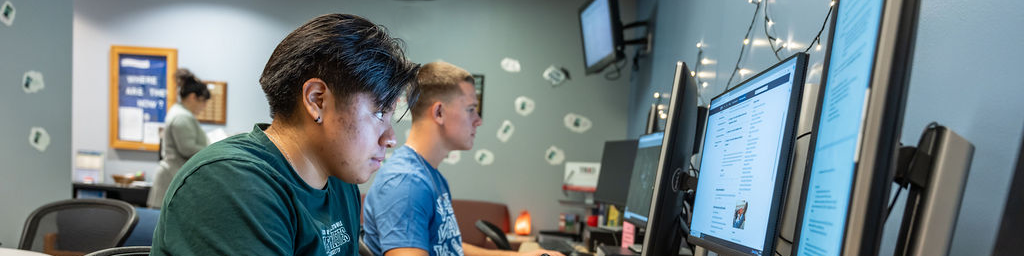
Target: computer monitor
<point>746,159</point>
<point>856,128</point>
<point>616,168</point>
<point>1010,239</point>
<point>641,185</point>
<point>601,32</point>
<point>663,234</point>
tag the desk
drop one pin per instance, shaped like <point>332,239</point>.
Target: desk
<point>133,195</point>
<point>533,246</point>
<point>529,246</point>
<point>16,252</point>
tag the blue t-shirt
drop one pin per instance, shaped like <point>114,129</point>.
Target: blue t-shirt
<point>409,205</point>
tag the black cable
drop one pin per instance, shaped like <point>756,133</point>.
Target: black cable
<point>892,203</point>
<point>615,75</point>
<point>743,47</point>
<point>803,135</point>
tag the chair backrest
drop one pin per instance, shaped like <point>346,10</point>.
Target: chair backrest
<point>494,233</point>
<point>78,226</point>
<point>467,212</point>
<point>122,251</point>
<point>142,234</point>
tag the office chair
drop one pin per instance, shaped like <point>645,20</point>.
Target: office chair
<point>494,233</point>
<point>122,251</point>
<point>77,226</point>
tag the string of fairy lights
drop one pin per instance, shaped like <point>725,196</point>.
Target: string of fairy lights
<point>775,43</point>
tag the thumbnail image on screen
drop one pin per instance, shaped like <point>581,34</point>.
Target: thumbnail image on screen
<point>839,126</point>
<point>641,186</point>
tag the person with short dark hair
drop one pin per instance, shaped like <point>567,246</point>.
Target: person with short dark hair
<point>181,137</point>
<point>408,209</point>
<point>288,188</point>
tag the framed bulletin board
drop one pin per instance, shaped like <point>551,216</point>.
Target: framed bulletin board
<point>216,107</point>
<point>142,89</point>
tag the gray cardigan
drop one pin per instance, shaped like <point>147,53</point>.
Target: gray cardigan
<point>182,137</point>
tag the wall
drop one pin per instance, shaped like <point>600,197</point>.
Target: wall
<point>961,78</point>
<point>40,40</point>
<point>230,40</point>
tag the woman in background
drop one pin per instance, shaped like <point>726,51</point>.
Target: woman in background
<point>181,137</point>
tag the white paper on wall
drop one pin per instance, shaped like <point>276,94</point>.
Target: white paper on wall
<point>453,157</point>
<point>555,75</point>
<point>505,130</point>
<point>581,176</point>
<point>484,157</point>
<point>39,138</point>
<point>7,13</point>
<point>32,82</point>
<point>524,106</point>
<point>129,124</point>
<point>554,155</point>
<point>510,65</point>
<point>577,123</point>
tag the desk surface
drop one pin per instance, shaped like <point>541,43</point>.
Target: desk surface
<point>533,246</point>
<point>529,246</point>
<point>16,252</point>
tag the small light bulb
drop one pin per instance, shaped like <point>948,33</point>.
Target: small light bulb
<point>831,3</point>
<point>744,71</point>
<point>750,1</point>
<point>693,73</point>
<point>706,61</point>
<point>778,41</point>
<point>818,47</point>
<point>661,106</point>
<point>770,23</point>
<point>699,45</point>
<point>704,84</point>
<point>784,45</point>
<point>657,95</point>
<point>746,41</point>
<point>664,116</point>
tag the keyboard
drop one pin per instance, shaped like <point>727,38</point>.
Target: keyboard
<point>561,246</point>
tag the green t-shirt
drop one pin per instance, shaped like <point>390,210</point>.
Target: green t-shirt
<point>240,197</point>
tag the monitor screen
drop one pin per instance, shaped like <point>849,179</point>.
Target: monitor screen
<point>616,166</point>
<point>641,185</point>
<point>599,29</point>
<point>745,159</point>
<point>834,153</point>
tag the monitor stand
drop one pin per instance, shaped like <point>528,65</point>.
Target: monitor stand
<point>935,174</point>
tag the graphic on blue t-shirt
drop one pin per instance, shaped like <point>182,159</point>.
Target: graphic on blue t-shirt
<point>409,206</point>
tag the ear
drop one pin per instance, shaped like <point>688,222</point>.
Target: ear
<point>313,93</point>
<point>437,112</point>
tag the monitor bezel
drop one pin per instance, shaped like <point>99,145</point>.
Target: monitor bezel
<point>786,150</point>
<point>667,200</point>
<point>881,128</point>
<point>617,38</point>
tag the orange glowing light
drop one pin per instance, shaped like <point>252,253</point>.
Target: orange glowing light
<point>523,223</point>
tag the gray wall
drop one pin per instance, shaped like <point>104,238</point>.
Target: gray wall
<point>40,39</point>
<point>963,77</point>
<point>230,40</point>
